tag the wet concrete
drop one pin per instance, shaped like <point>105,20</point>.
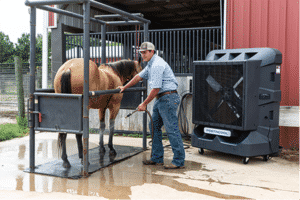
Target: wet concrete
<point>209,177</point>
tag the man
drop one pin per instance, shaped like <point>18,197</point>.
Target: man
<point>163,86</point>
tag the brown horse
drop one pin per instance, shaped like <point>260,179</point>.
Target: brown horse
<point>69,79</point>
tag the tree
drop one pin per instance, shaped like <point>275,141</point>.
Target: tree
<point>22,49</point>
<point>6,49</point>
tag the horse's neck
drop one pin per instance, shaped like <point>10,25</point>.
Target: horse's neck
<point>109,71</point>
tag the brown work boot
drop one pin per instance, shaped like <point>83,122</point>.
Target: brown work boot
<point>150,162</point>
<point>172,166</point>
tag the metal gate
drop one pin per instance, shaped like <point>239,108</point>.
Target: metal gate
<point>179,47</point>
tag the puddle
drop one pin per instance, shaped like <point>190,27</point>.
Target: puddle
<point>113,182</point>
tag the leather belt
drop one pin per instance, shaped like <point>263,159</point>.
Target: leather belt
<point>164,93</point>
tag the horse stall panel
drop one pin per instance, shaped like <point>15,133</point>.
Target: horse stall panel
<point>178,47</point>
<point>58,112</point>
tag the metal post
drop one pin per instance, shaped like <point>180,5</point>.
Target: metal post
<point>32,87</point>
<point>86,52</point>
<point>145,94</point>
<point>221,20</point>
<point>45,52</point>
<point>146,32</point>
<point>20,90</point>
<point>224,24</point>
<point>50,2</point>
<point>103,44</point>
<point>145,118</point>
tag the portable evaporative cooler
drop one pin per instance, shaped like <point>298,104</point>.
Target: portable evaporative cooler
<point>236,95</point>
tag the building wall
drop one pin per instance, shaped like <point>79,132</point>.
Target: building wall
<point>274,24</point>
<point>269,23</point>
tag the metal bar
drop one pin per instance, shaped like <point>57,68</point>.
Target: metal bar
<point>32,86</point>
<point>205,44</point>
<point>115,91</point>
<point>221,16</point>
<point>110,49</point>
<point>157,30</point>
<point>214,32</point>
<point>209,41</point>
<point>167,45</point>
<point>178,47</point>
<point>86,51</point>
<point>119,53</point>
<point>62,95</point>
<point>51,2</point>
<point>93,50</point>
<point>117,11</point>
<point>218,38</point>
<point>163,45</point>
<point>50,90</point>
<point>123,45</point>
<point>130,47</point>
<point>202,39</point>
<point>115,47</point>
<point>116,15</point>
<point>190,52</point>
<point>58,130</point>
<point>103,44</point>
<point>71,14</point>
<point>197,45</point>
<point>146,32</point>
<point>120,23</point>
<point>145,117</point>
<point>174,51</point>
<point>181,57</point>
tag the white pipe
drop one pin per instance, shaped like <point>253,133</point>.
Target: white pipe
<point>224,24</point>
<point>45,52</point>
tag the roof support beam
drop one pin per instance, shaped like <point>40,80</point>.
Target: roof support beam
<point>51,2</point>
<point>117,11</point>
<point>71,14</point>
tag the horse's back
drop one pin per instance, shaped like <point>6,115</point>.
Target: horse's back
<point>76,66</point>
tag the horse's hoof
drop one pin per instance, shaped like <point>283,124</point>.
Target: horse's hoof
<point>66,164</point>
<point>102,150</point>
<point>112,152</point>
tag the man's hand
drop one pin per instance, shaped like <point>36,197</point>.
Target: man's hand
<point>122,88</point>
<point>142,107</point>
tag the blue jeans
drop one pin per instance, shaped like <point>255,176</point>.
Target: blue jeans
<point>165,113</point>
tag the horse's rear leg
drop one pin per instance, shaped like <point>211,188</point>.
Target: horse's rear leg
<point>80,146</point>
<point>62,140</point>
<point>112,151</point>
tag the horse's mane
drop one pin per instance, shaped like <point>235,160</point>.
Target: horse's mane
<point>125,68</point>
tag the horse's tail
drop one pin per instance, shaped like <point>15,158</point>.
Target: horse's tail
<point>66,82</point>
<point>65,88</point>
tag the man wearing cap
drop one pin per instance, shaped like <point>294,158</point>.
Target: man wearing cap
<point>163,86</point>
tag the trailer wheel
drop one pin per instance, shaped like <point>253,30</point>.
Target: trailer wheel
<point>266,158</point>
<point>201,151</point>
<point>246,160</point>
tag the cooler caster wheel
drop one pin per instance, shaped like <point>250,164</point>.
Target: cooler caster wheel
<point>246,160</point>
<point>201,151</point>
<point>266,158</point>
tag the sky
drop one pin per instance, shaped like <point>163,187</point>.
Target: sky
<point>15,19</point>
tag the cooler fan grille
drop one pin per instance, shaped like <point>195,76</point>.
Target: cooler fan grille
<point>219,94</point>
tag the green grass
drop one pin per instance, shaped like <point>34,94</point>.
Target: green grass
<point>10,131</point>
<point>135,135</point>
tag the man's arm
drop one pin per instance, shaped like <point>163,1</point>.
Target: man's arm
<point>152,95</point>
<point>131,83</point>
